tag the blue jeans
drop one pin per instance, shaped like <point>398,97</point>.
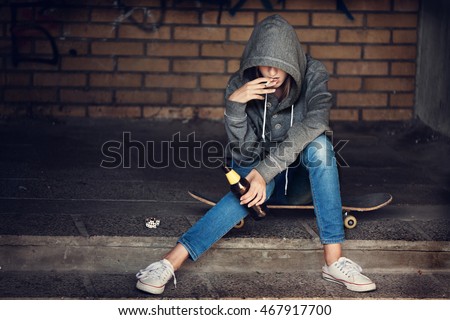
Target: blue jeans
<point>313,176</point>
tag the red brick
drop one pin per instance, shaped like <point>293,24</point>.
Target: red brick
<point>85,96</point>
<point>117,48</point>
<point>53,28</point>
<point>72,14</point>
<point>329,65</point>
<point>336,20</point>
<point>41,110</point>
<point>362,68</point>
<point>344,84</point>
<point>387,115</point>
<point>114,112</point>
<point>240,34</point>
<point>199,65</point>
<point>405,36</point>
<point>168,112</point>
<point>16,79</point>
<point>25,45</point>
<point>335,52</point>
<point>406,5</point>
<point>364,36</point>
<point>170,81</point>
<point>197,98</point>
<point>389,84</point>
<point>133,32</point>
<point>222,50</point>
<point>403,68</point>
<point>89,30</point>
<point>311,5</point>
<point>233,65</point>
<point>361,100</point>
<point>210,113</point>
<point>344,115</point>
<point>242,18</point>
<point>200,33</point>
<point>402,100</point>
<point>105,15</point>
<point>181,17</point>
<point>316,35</point>
<point>68,111</point>
<point>255,4</point>
<point>294,18</point>
<point>395,20</point>
<point>12,111</point>
<point>143,64</point>
<point>390,52</point>
<point>89,64</point>
<point>30,95</point>
<point>214,81</point>
<point>59,111</point>
<point>26,66</point>
<point>121,80</point>
<point>59,79</point>
<point>173,49</point>
<point>64,46</point>
<point>368,5</point>
<point>141,97</point>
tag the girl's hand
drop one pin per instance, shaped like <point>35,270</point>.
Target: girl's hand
<point>256,195</point>
<point>255,89</point>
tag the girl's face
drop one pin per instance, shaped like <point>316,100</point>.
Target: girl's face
<point>276,75</point>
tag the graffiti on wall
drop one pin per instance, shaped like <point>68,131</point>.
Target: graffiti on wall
<point>154,17</point>
<point>32,20</point>
<point>29,20</point>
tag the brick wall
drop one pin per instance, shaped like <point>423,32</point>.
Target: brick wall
<point>112,68</point>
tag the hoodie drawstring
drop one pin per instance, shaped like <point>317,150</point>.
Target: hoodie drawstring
<point>264,135</point>
<point>287,169</point>
<point>264,120</point>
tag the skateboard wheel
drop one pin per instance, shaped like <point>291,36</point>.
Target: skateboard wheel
<point>349,222</point>
<point>240,224</point>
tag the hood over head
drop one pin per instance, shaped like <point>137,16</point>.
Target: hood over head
<point>274,43</point>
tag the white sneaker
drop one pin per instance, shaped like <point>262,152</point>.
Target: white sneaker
<point>153,279</point>
<point>348,273</point>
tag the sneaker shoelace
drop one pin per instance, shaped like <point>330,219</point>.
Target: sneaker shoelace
<point>159,269</point>
<point>348,267</point>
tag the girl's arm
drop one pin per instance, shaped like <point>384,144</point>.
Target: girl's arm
<point>318,102</point>
<point>244,144</point>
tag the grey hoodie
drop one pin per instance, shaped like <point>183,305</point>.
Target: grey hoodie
<point>274,43</point>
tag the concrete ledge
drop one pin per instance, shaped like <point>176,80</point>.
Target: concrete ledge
<point>128,254</point>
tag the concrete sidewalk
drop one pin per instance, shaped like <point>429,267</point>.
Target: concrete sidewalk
<point>70,228</point>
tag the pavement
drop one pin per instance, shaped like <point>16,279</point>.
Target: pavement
<point>75,195</point>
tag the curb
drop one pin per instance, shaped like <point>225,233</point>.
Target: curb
<point>128,254</point>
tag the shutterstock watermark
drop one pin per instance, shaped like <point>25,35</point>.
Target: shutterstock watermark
<point>189,152</point>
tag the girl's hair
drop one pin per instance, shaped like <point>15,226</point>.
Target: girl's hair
<point>286,87</point>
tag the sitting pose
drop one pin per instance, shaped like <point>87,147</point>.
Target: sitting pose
<point>276,116</point>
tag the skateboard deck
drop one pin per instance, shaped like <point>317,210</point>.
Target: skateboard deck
<point>350,203</point>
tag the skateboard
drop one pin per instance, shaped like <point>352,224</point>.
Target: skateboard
<point>360,203</point>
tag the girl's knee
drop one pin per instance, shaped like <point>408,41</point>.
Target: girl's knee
<point>319,153</point>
